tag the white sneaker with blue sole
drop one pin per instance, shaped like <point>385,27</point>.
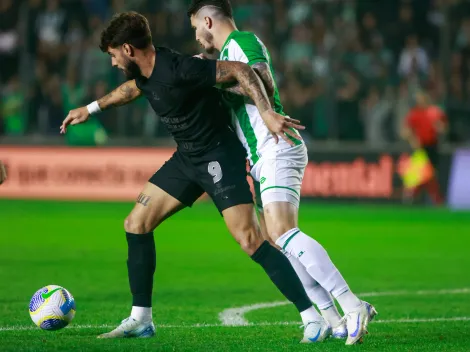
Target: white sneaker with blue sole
<point>130,327</point>
<point>357,322</point>
<point>316,331</point>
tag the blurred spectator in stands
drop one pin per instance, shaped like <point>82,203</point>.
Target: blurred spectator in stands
<point>73,91</point>
<point>51,26</point>
<point>350,126</point>
<point>401,29</point>
<point>298,50</point>
<point>414,61</point>
<point>53,106</point>
<point>9,39</point>
<point>376,110</point>
<point>12,107</point>
<point>95,64</point>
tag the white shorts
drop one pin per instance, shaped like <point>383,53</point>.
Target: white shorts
<point>278,176</point>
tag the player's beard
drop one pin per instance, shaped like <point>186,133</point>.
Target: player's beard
<point>131,69</point>
<point>209,39</point>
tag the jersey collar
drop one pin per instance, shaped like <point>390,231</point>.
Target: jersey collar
<point>231,35</point>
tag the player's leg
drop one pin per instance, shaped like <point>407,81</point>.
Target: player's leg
<point>280,195</point>
<point>229,189</point>
<point>241,222</point>
<point>167,192</point>
<point>317,294</point>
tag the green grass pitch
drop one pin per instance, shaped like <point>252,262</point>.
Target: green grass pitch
<point>412,264</point>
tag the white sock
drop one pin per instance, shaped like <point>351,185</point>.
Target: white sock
<point>317,294</point>
<point>143,314</point>
<point>348,301</point>
<point>318,264</point>
<point>310,315</point>
<point>331,315</point>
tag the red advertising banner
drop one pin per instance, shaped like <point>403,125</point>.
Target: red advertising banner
<point>82,173</point>
<point>120,173</point>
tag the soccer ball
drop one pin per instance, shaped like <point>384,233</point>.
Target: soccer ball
<point>52,307</point>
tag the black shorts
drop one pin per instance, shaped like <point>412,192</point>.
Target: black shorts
<point>221,172</point>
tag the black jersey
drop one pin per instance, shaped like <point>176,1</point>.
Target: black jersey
<point>182,94</point>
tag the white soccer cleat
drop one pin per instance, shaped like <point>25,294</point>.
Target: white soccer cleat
<point>316,331</point>
<point>339,331</point>
<point>131,328</point>
<point>357,321</point>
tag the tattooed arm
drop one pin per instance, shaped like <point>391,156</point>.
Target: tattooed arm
<point>278,125</point>
<point>263,71</point>
<point>122,95</point>
<point>232,71</point>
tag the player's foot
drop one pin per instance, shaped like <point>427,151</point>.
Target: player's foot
<point>339,331</point>
<point>316,331</point>
<point>131,328</point>
<point>357,321</point>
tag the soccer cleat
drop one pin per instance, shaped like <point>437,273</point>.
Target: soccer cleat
<point>316,331</point>
<point>357,321</point>
<point>339,331</point>
<point>131,328</point>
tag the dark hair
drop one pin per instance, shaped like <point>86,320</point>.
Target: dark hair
<point>126,28</point>
<point>223,5</point>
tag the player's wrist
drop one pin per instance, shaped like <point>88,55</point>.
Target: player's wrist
<point>93,108</point>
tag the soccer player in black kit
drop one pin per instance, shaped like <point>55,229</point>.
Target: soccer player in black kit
<point>209,158</point>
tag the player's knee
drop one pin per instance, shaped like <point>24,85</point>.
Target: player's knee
<point>249,240</point>
<point>278,230</point>
<point>137,225</point>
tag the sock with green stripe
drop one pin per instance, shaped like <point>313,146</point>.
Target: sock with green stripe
<point>282,274</point>
<point>318,264</point>
<point>317,294</point>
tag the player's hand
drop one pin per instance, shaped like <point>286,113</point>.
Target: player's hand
<point>3,173</point>
<point>280,125</point>
<point>75,117</point>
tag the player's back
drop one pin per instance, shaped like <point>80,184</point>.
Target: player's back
<point>181,92</point>
<point>248,48</point>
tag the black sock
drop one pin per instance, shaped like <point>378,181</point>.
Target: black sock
<point>282,274</point>
<point>141,262</point>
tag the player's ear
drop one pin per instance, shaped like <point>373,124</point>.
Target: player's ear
<point>209,22</point>
<point>128,49</point>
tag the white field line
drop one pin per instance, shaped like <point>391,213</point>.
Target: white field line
<point>267,323</point>
<point>235,316</point>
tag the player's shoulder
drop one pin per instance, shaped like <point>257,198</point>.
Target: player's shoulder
<point>245,37</point>
<point>169,64</point>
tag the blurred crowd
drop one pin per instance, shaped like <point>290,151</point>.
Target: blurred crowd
<point>348,69</point>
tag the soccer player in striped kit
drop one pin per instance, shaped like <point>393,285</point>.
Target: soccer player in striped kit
<point>277,169</point>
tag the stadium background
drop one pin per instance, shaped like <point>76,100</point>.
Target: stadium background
<point>344,68</point>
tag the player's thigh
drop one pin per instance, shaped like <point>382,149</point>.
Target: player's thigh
<point>280,183</point>
<point>153,206</point>
<point>243,225</point>
<point>222,174</point>
<point>169,190</point>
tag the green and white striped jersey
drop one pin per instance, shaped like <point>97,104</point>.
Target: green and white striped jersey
<point>251,130</point>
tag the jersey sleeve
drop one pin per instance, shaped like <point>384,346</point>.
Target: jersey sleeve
<point>195,73</point>
<point>248,49</point>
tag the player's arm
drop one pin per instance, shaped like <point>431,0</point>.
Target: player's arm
<point>3,172</point>
<point>279,125</point>
<point>122,95</point>
<point>263,71</point>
